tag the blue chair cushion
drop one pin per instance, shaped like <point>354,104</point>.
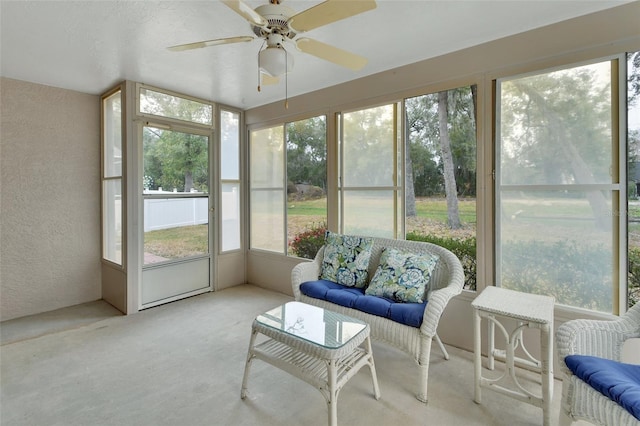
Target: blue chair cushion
<point>318,289</point>
<point>351,297</point>
<point>408,313</point>
<point>618,381</point>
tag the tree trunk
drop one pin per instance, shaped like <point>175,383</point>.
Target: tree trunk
<point>409,190</point>
<point>453,216</point>
<point>188,181</point>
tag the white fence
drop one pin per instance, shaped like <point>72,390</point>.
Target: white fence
<point>163,213</point>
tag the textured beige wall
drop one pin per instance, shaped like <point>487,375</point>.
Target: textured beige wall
<point>49,198</point>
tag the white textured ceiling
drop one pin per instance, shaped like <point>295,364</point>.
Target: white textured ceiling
<point>89,46</point>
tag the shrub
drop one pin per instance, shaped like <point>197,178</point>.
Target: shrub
<point>576,275</point>
<point>634,275</point>
<point>306,244</point>
<point>465,249</point>
<point>291,188</point>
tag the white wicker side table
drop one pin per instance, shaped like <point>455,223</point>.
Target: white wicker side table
<point>529,311</point>
<point>321,347</point>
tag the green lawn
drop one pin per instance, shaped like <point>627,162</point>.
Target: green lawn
<point>316,207</point>
<point>433,208</point>
<point>175,243</point>
<point>436,209</point>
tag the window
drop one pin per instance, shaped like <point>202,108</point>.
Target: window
<point>230,180</point>
<point>112,178</point>
<point>558,185</point>
<point>633,174</point>
<point>155,102</point>
<point>296,198</point>
<point>370,185</point>
<point>440,173</point>
<point>306,186</point>
<point>268,189</point>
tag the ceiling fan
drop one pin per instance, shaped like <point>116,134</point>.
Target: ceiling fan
<point>277,24</point>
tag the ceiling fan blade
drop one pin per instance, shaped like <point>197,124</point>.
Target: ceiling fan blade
<point>332,53</point>
<point>328,12</point>
<point>244,10</point>
<point>207,43</point>
<point>267,80</point>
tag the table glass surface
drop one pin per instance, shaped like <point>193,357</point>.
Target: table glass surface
<point>311,323</point>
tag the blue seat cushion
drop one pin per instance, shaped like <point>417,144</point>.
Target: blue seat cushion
<point>618,381</point>
<point>405,313</point>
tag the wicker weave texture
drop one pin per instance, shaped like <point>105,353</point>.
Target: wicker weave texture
<point>514,304</point>
<point>603,339</point>
<point>447,282</point>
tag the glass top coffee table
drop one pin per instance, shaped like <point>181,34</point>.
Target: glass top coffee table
<point>321,347</point>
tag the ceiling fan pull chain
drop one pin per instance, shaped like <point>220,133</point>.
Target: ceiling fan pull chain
<point>286,79</point>
<point>259,76</point>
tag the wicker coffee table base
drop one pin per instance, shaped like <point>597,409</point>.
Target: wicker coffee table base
<point>326,373</point>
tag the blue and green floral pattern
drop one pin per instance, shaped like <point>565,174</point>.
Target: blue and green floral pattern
<point>346,259</point>
<point>403,277</point>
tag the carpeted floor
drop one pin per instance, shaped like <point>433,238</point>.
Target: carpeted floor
<point>182,364</point>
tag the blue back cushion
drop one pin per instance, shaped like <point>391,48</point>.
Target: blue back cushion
<point>405,313</point>
<point>618,381</point>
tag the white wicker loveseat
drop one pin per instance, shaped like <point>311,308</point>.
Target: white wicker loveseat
<point>602,339</point>
<point>446,282</point>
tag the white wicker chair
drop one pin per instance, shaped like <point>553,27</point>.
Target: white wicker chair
<point>603,339</point>
<point>447,282</point>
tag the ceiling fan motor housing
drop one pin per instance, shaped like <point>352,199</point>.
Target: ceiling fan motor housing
<point>277,16</point>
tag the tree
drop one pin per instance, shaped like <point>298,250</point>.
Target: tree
<point>556,129</point>
<point>422,149</point>
<point>409,189</point>
<point>174,159</point>
<point>425,130</point>
<point>307,151</point>
<point>462,132</point>
<point>453,215</point>
<point>633,83</point>
<point>368,147</point>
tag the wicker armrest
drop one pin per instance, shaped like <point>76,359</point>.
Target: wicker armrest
<point>306,271</point>
<point>438,299</point>
<point>603,339</point>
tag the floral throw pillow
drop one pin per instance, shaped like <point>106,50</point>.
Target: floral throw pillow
<point>346,259</point>
<point>403,277</point>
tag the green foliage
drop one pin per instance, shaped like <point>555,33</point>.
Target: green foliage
<point>423,134</point>
<point>576,275</point>
<point>175,160</point>
<point>307,243</point>
<point>465,249</point>
<point>634,275</point>
<point>307,151</point>
<point>555,127</point>
<point>367,146</point>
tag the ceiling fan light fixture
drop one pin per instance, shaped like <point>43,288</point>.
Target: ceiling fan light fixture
<point>274,61</point>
